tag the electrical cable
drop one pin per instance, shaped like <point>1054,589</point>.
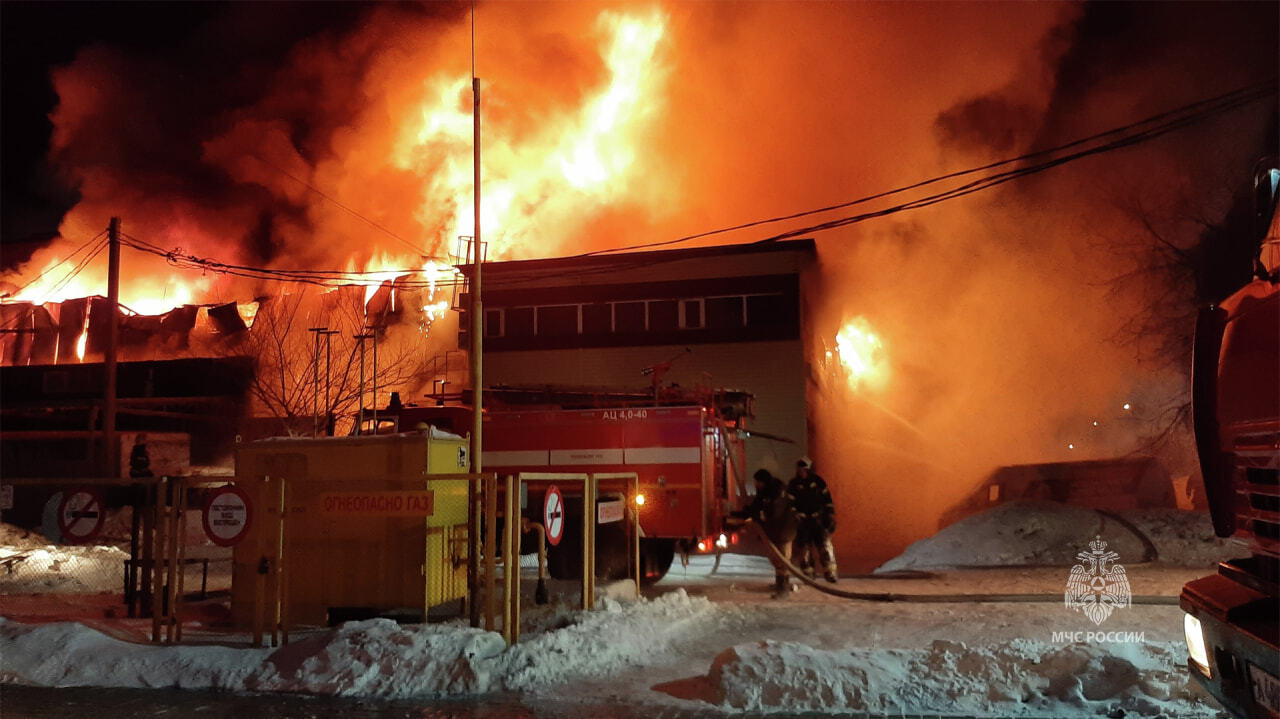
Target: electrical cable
<point>1009,175</point>
<point>316,190</point>
<point>59,263</point>
<point>61,283</point>
<point>1200,109</point>
<point>1148,128</point>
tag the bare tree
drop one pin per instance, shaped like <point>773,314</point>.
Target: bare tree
<point>302,381</point>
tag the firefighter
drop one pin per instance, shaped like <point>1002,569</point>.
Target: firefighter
<point>139,460</point>
<point>815,518</point>
<point>772,511</point>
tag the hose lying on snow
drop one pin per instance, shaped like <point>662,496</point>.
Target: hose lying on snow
<point>936,598</point>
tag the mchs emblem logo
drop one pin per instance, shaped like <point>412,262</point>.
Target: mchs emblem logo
<point>1098,586</point>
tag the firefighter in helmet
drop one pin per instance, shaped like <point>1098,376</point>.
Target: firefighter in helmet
<point>815,518</point>
<point>772,511</point>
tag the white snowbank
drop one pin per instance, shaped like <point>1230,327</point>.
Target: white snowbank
<point>1017,678</point>
<point>61,568</point>
<point>576,650</point>
<point>374,658</point>
<point>1048,533</point>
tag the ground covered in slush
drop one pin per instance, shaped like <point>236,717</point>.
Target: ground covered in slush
<point>703,640</point>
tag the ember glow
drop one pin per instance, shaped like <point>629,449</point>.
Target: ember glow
<point>861,354</point>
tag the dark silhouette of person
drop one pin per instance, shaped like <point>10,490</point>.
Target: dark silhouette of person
<point>139,460</point>
<point>815,518</point>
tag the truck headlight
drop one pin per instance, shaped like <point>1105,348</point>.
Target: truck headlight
<point>1195,644</point>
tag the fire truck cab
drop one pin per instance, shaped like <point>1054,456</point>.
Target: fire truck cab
<point>1232,619</point>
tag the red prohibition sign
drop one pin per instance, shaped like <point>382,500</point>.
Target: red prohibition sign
<point>81,515</point>
<point>553,515</point>
<point>227,515</point>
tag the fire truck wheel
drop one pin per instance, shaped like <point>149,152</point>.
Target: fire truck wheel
<point>656,556</point>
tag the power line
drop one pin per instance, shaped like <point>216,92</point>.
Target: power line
<point>1017,173</point>
<point>316,190</point>
<point>59,263</point>
<point>1160,123</point>
<point>321,278</point>
<point>1124,136</point>
<point>71,274</point>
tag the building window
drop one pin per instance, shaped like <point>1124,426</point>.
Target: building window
<point>628,317</point>
<point>725,312</point>
<point>518,322</point>
<point>557,320</point>
<point>597,319</point>
<point>691,315</point>
<point>493,323</point>
<point>766,310</point>
<point>663,315</point>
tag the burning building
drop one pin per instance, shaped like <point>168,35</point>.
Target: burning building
<point>942,342</point>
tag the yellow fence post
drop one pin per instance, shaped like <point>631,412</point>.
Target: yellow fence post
<point>157,559</point>
<point>633,549</point>
<point>490,547</point>
<point>182,556</point>
<point>171,556</point>
<point>283,608</point>
<point>635,530</point>
<point>511,572</point>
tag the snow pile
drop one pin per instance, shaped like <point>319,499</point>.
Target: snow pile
<point>1048,533</point>
<point>13,537</point>
<point>59,568</point>
<point>608,642</point>
<point>373,658</point>
<point>1184,538</point>
<point>1015,678</point>
<point>378,657</point>
<point>68,655</point>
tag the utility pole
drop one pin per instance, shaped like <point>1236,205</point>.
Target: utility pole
<point>477,307</point>
<point>360,408</point>
<point>477,366</point>
<point>374,335</point>
<point>110,456</point>
<point>315,388</point>
<point>328,378</point>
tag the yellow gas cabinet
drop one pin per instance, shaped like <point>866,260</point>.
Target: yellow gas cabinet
<point>366,531</point>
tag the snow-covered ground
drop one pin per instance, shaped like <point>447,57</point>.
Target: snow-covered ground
<point>1046,533</point>
<point>701,640</point>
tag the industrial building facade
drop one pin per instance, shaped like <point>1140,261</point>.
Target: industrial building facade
<point>726,317</point>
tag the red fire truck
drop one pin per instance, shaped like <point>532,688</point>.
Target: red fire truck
<point>1233,617</point>
<point>686,448</point>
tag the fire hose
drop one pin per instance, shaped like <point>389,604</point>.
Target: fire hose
<point>1028,598</point>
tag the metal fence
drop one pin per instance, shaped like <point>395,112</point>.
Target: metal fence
<point>37,557</point>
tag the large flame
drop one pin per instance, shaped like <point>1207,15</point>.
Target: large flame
<point>550,172</point>
<point>537,182</point>
<point>861,354</point>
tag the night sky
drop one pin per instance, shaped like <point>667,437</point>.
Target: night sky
<point>199,41</point>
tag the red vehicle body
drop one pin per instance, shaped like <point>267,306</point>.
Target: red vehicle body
<point>1233,617</point>
<point>682,455</point>
<point>689,458</point>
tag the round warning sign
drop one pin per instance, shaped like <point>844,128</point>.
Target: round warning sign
<point>81,514</point>
<point>553,515</point>
<point>227,515</point>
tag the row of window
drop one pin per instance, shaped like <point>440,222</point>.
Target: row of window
<point>636,316</point>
